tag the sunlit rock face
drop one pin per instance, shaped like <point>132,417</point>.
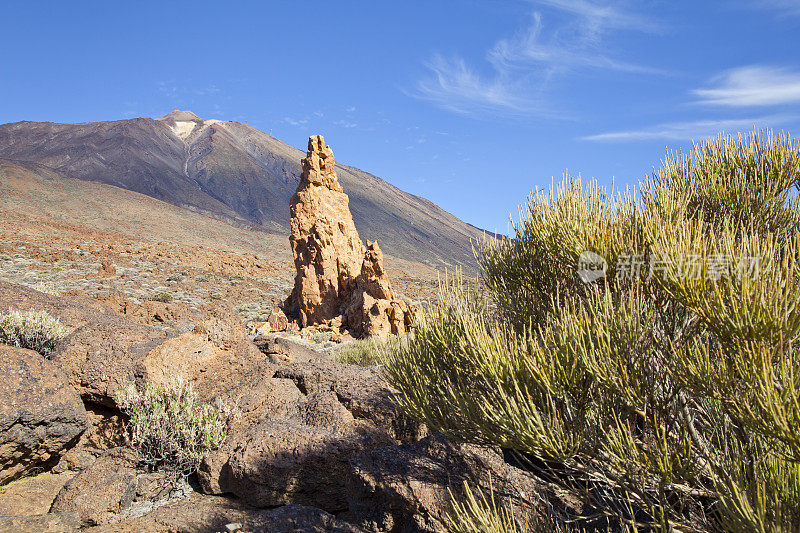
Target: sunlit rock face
<point>339,281</point>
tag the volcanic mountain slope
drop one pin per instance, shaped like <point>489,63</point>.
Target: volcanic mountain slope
<point>234,173</point>
<point>45,216</point>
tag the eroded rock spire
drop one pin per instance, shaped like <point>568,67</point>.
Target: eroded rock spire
<point>339,282</point>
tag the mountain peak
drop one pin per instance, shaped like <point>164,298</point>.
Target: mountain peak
<point>180,116</point>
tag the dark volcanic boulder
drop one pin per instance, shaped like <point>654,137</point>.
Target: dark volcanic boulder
<point>361,390</point>
<point>300,457</point>
<point>203,513</point>
<point>299,425</point>
<point>406,488</point>
<point>297,519</point>
<point>102,490</point>
<point>42,523</point>
<point>41,416</point>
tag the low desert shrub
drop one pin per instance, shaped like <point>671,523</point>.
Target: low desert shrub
<point>361,352</point>
<point>34,330</point>
<point>47,287</point>
<point>163,297</point>
<point>644,350</point>
<point>169,430</point>
<point>321,337</point>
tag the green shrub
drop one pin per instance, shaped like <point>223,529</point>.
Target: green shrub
<point>169,430</point>
<point>47,287</point>
<point>163,296</point>
<point>663,397</point>
<point>320,337</point>
<point>480,515</point>
<point>34,330</point>
<point>361,352</point>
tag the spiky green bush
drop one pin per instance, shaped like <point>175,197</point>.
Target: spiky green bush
<point>34,330</point>
<point>168,429</point>
<point>665,394</point>
<point>480,514</point>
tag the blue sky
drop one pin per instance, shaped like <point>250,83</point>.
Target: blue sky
<point>472,104</point>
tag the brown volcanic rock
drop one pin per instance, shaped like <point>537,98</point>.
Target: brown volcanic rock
<point>408,488</point>
<point>277,320</point>
<point>103,356</point>
<point>102,490</point>
<point>42,523</point>
<point>103,350</point>
<point>278,462</point>
<point>33,495</point>
<point>327,250</point>
<point>205,513</point>
<point>297,519</point>
<point>106,351</point>
<point>40,414</point>
<point>339,281</point>
<point>373,308</point>
<point>289,448</point>
<point>298,426</point>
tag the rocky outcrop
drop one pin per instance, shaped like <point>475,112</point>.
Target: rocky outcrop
<point>408,488</point>
<point>328,253</point>
<point>217,513</point>
<point>42,523</point>
<point>277,462</point>
<point>339,282</point>
<point>373,309</point>
<point>101,491</point>
<point>32,496</point>
<point>293,440</point>
<point>41,416</point>
<point>105,351</point>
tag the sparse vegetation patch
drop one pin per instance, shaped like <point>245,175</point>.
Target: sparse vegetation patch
<point>169,429</point>
<point>363,352</point>
<point>164,297</point>
<point>33,330</point>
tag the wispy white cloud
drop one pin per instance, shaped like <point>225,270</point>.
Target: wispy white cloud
<point>603,16</point>
<point>755,85</point>
<point>455,86</point>
<point>693,130</point>
<point>345,123</point>
<point>579,47</point>
<point>295,122</point>
<point>520,67</point>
